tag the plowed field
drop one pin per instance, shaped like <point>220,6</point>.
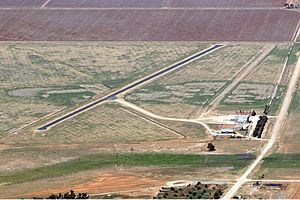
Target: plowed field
<point>148,25</point>
<point>21,3</point>
<point>166,3</point>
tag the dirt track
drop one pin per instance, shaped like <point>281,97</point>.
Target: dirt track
<point>275,132</point>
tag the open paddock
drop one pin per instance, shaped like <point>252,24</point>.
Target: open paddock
<point>270,69</point>
<point>280,166</point>
<point>39,78</point>
<point>106,124</point>
<point>251,95</point>
<point>289,142</point>
<point>148,25</point>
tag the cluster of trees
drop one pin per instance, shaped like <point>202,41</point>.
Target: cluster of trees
<point>67,195</point>
<point>197,191</point>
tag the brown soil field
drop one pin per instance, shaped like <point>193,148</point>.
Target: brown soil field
<point>21,3</point>
<point>146,180</point>
<point>148,25</point>
<point>92,182</point>
<point>296,190</point>
<point>165,3</point>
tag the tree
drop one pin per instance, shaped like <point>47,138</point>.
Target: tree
<point>68,195</point>
<point>211,147</point>
<point>217,194</point>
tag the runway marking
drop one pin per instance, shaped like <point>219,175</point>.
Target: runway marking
<point>45,4</point>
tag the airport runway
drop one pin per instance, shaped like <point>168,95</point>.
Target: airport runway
<point>129,87</point>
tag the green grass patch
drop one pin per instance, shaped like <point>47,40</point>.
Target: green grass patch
<point>67,99</point>
<point>295,102</point>
<point>99,161</point>
<point>191,95</point>
<point>294,54</point>
<point>256,103</point>
<point>281,160</point>
<point>277,101</point>
<point>280,53</point>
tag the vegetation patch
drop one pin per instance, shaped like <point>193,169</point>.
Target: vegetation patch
<point>294,54</point>
<point>281,160</point>
<point>197,191</point>
<point>268,71</point>
<point>250,95</point>
<point>193,93</point>
<point>295,101</point>
<point>67,98</point>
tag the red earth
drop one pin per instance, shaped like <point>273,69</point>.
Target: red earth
<point>148,25</point>
<point>165,3</point>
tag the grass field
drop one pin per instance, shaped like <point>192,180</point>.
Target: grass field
<point>281,160</point>
<point>106,160</point>
<point>289,141</point>
<point>39,78</point>
<point>255,91</point>
<point>281,166</point>
<point>104,124</point>
<point>251,95</point>
<point>188,89</point>
<point>190,130</point>
<point>269,70</point>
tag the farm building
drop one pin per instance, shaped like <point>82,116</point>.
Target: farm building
<point>272,186</point>
<point>227,131</point>
<point>241,119</point>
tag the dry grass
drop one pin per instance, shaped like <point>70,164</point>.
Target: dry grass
<point>92,67</point>
<point>218,66</point>
<point>250,93</point>
<point>289,142</point>
<point>106,124</point>
<point>269,70</point>
<point>255,91</point>
<point>33,65</point>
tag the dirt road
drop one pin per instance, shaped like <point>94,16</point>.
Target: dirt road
<point>275,132</point>
<point>154,116</point>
